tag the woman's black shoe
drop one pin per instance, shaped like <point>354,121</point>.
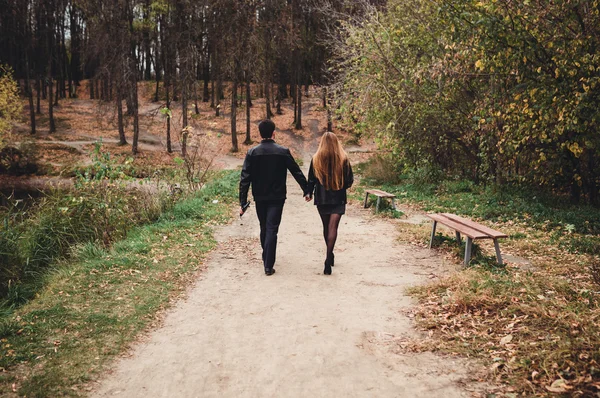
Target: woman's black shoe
<point>327,270</point>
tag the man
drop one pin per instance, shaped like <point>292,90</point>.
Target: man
<point>265,167</point>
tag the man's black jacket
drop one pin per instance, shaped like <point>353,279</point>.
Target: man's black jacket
<point>265,167</point>
<point>329,197</point>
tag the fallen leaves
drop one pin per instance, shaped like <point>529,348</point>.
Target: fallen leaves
<point>559,386</point>
<point>502,318</point>
<point>506,339</point>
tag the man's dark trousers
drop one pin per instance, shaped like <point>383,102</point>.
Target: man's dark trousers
<point>269,216</point>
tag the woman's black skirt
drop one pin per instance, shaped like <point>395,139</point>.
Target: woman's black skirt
<point>332,209</point>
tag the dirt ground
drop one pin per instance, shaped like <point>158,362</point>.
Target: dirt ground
<point>298,333</point>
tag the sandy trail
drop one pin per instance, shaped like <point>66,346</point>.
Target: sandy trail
<point>297,333</point>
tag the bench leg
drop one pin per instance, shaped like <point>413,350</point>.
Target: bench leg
<point>468,251</point>
<point>366,199</point>
<point>498,255</point>
<point>378,202</point>
<point>432,234</point>
<point>394,204</point>
<point>458,238</point>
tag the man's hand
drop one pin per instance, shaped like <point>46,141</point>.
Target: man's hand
<point>307,198</point>
<point>243,208</point>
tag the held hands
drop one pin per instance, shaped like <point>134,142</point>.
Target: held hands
<point>307,198</point>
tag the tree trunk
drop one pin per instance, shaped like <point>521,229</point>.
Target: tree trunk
<point>52,128</point>
<point>248,140</point>
<point>299,109</point>
<point>29,96</point>
<point>218,95</point>
<point>196,98</point>
<point>122,139</point>
<point>38,88</point>
<point>57,93</point>
<point>131,54</point>
<point>279,112</point>
<point>268,101</point>
<point>328,109</point>
<point>212,93</point>
<point>234,141</point>
<point>91,87</point>
<point>146,40</point>
<point>169,148</point>
<point>206,77</point>
<point>184,110</point>
<point>136,118</point>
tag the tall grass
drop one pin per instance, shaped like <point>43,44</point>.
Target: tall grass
<point>99,212</point>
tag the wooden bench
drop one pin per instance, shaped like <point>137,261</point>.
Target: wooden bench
<point>380,194</point>
<point>470,229</point>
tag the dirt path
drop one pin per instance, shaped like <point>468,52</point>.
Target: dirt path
<point>298,332</point>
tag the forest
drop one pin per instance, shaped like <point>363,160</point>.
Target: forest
<point>489,108</point>
<point>502,93</point>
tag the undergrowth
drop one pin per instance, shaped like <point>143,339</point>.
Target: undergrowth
<point>92,305</point>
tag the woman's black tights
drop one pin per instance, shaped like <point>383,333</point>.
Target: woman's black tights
<point>330,228</point>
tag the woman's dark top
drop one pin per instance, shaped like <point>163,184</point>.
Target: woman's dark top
<point>325,196</point>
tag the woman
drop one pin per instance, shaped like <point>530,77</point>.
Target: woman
<point>329,176</point>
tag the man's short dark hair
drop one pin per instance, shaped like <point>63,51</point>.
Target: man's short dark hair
<point>266,128</point>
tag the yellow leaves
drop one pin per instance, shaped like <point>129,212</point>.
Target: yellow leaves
<point>10,104</point>
<point>575,149</point>
<point>479,65</point>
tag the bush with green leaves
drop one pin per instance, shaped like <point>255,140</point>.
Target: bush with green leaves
<point>490,91</point>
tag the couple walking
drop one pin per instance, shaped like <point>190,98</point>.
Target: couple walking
<point>265,168</point>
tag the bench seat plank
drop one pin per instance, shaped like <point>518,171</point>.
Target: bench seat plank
<point>382,194</point>
<point>486,230</point>
<point>468,231</point>
<point>470,228</point>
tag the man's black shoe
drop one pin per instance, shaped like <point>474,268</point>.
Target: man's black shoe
<point>269,271</point>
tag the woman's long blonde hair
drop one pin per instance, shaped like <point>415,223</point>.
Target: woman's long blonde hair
<point>329,161</point>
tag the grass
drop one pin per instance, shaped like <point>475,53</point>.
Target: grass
<point>535,329</point>
<point>93,306</point>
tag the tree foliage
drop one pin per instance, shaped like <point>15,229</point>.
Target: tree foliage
<point>495,91</point>
<point>10,104</point>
